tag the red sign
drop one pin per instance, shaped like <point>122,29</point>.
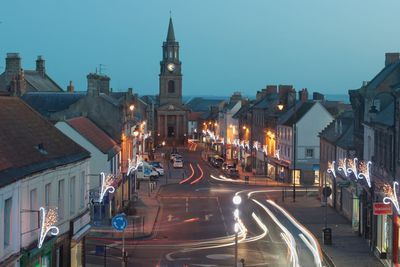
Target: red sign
<point>382,209</point>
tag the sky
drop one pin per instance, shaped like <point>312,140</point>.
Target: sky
<point>225,45</point>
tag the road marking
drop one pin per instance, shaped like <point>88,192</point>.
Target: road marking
<point>207,216</point>
<point>187,204</point>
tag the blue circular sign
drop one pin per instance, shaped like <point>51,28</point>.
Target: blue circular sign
<point>119,222</point>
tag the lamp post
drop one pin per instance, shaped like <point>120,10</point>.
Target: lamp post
<point>280,107</point>
<point>374,110</point>
<point>236,200</point>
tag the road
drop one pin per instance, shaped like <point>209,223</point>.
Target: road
<point>195,226</point>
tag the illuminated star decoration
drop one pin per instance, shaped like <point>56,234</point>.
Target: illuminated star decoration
<point>331,168</point>
<point>365,172</point>
<point>391,195</point>
<point>47,224</point>
<point>106,182</point>
<point>352,167</point>
<point>342,166</point>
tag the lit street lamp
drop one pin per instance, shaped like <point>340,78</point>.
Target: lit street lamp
<point>236,200</point>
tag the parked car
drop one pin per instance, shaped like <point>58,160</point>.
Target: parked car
<point>178,163</point>
<point>217,161</point>
<point>159,168</point>
<point>175,156</point>
<point>146,172</point>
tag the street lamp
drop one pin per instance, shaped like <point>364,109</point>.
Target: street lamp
<point>236,200</point>
<point>374,110</point>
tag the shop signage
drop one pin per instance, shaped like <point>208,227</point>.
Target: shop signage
<point>382,209</point>
<point>80,223</point>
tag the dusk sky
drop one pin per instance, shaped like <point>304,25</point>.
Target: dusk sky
<point>226,45</point>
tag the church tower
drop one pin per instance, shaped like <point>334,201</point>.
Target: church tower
<point>171,113</point>
<point>170,70</point>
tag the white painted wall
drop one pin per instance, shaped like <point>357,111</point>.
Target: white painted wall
<point>98,161</point>
<point>308,128</point>
<point>10,191</point>
<point>38,182</point>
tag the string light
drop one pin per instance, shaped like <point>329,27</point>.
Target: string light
<point>352,167</point>
<point>342,166</point>
<point>106,185</point>
<point>365,172</point>
<point>391,195</point>
<point>277,154</point>
<point>331,168</point>
<point>47,224</point>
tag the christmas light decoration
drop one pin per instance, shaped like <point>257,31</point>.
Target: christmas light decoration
<point>134,165</point>
<point>106,182</point>
<point>331,168</point>
<point>391,195</point>
<point>277,154</point>
<point>352,167</point>
<point>342,166</point>
<point>265,150</point>
<point>365,172</point>
<point>48,219</point>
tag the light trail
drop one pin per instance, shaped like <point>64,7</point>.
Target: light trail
<point>286,235</point>
<point>191,175</point>
<point>201,175</point>
<point>312,244</point>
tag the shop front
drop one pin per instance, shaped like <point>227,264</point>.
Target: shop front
<point>79,228</point>
<point>260,162</point>
<point>39,257</point>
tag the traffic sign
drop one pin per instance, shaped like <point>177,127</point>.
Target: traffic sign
<point>119,222</point>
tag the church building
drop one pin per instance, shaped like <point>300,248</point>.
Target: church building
<point>171,113</point>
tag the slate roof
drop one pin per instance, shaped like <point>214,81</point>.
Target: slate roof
<point>385,116</point>
<point>171,34</point>
<point>200,104</point>
<point>194,116</point>
<point>94,135</point>
<point>382,75</point>
<point>30,144</point>
<point>47,103</point>
<point>290,117</point>
<point>40,82</point>
<point>266,102</point>
<point>333,134</point>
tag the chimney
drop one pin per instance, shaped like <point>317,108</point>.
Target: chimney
<point>303,95</point>
<point>391,58</point>
<point>104,83</point>
<point>130,91</point>
<point>70,87</point>
<point>271,89</point>
<point>318,96</point>
<point>92,84</point>
<point>40,66</point>
<point>13,66</point>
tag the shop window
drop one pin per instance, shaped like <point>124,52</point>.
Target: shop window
<point>316,177</point>
<point>296,176</point>
<point>382,230</point>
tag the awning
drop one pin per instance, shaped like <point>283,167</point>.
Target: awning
<point>81,233</point>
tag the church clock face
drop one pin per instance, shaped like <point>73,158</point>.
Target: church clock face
<point>171,67</point>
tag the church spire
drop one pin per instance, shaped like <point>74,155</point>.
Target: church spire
<point>171,35</point>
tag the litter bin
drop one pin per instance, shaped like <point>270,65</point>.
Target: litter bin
<point>327,236</point>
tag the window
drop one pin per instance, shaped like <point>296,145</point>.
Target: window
<point>33,206</point>
<point>72,195</point>
<point>171,86</point>
<point>82,188</point>
<point>61,199</point>
<point>47,192</point>
<point>170,54</point>
<point>309,153</point>
<point>7,221</point>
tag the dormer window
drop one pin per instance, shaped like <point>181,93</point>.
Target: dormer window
<point>40,148</point>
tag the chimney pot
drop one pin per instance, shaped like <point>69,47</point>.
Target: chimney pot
<point>391,58</point>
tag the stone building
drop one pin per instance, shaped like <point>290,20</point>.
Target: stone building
<point>171,114</point>
<point>16,81</point>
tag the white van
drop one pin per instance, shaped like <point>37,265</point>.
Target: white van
<point>146,172</point>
